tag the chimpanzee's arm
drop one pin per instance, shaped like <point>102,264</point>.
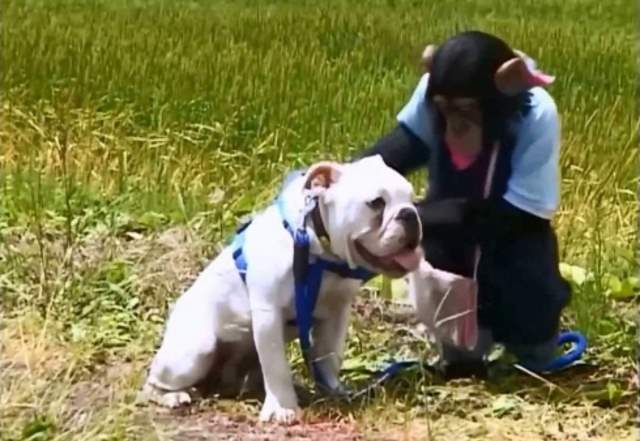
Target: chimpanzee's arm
<point>498,218</point>
<point>400,149</point>
<point>483,220</point>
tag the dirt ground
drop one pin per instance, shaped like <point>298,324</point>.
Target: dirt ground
<point>55,389</point>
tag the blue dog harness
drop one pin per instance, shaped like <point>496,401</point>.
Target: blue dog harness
<point>307,274</point>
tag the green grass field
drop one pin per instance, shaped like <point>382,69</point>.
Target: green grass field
<point>134,134</point>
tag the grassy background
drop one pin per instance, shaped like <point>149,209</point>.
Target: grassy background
<point>134,134</point>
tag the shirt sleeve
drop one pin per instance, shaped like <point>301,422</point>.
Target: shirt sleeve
<point>415,114</point>
<point>534,185</point>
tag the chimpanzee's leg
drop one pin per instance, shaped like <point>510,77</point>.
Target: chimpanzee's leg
<point>528,297</point>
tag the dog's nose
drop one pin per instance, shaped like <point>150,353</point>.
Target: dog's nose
<point>408,216</point>
<point>409,219</point>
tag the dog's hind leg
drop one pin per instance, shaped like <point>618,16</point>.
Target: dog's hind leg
<point>173,376</point>
<point>171,383</point>
<point>186,356</point>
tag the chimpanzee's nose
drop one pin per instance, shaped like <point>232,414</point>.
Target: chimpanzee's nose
<point>409,219</point>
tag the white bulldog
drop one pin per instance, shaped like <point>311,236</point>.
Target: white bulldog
<point>364,217</point>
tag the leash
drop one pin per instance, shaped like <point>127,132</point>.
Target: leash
<point>307,281</point>
<point>560,363</point>
<point>308,271</point>
<point>570,357</point>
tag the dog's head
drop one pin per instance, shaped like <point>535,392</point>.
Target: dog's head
<point>367,211</point>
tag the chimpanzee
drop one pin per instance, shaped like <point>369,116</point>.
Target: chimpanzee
<point>476,93</point>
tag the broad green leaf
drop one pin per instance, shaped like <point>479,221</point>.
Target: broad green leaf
<point>627,289</point>
<point>615,285</point>
<point>399,289</point>
<point>573,273</point>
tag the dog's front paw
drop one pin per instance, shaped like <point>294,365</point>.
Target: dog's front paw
<point>170,399</point>
<point>273,411</point>
<point>175,399</point>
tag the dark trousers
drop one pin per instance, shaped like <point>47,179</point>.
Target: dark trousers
<point>521,291</point>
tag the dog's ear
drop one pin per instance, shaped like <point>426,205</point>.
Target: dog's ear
<point>322,174</point>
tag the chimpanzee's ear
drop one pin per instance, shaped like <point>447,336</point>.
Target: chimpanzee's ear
<point>515,76</point>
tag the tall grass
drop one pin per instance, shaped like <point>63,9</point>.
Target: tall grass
<point>155,105</point>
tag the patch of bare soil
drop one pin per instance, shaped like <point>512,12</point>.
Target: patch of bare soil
<point>539,422</point>
<point>223,427</point>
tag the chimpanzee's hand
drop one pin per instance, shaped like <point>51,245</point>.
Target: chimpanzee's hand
<point>445,214</point>
<point>491,219</point>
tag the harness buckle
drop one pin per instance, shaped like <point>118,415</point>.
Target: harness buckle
<point>310,203</point>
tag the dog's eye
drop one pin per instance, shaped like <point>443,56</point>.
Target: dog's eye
<point>377,204</point>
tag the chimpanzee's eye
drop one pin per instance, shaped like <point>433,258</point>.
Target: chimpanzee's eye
<point>377,204</point>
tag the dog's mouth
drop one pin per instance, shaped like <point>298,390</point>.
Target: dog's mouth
<point>395,264</point>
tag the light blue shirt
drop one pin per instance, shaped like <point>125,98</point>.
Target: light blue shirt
<point>534,185</point>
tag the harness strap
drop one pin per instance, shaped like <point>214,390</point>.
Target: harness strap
<point>307,272</point>
<point>238,256</point>
<point>307,279</point>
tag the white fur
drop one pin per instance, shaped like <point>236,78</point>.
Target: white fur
<point>219,309</point>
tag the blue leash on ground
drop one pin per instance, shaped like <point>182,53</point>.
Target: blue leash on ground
<point>564,361</point>
<point>307,280</point>
<point>560,363</point>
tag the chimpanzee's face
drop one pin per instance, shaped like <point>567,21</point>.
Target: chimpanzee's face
<point>475,64</point>
<point>463,124</point>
